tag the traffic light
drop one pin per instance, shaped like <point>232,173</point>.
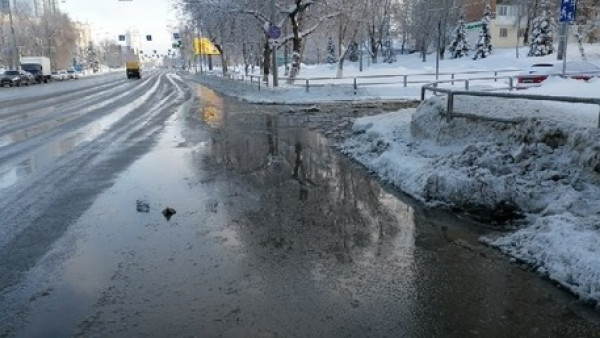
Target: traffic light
<point>148,37</point>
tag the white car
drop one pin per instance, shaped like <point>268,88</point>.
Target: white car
<point>60,75</point>
<point>539,72</point>
<point>72,74</point>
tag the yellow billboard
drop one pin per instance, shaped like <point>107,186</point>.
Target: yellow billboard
<point>203,46</point>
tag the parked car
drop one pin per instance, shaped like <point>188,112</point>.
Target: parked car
<point>32,79</point>
<point>72,74</point>
<point>16,78</point>
<point>539,72</point>
<point>60,75</point>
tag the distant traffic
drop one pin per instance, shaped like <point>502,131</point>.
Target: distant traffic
<point>35,70</point>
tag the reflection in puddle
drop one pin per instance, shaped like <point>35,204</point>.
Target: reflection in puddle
<point>212,110</point>
<point>307,189</point>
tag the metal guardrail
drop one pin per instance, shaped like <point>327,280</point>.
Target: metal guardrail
<point>451,93</point>
<point>363,80</point>
<point>356,80</point>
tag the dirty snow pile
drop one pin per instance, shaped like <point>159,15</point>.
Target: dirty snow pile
<point>545,170</point>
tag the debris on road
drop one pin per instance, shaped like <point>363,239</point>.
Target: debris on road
<point>142,206</point>
<point>168,213</point>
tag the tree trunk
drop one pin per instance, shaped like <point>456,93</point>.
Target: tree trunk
<point>245,57</point>
<point>286,52</point>
<point>266,61</point>
<point>373,47</point>
<point>340,68</point>
<point>296,49</point>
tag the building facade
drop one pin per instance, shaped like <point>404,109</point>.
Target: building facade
<point>508,23</point>
<point>34,7</point>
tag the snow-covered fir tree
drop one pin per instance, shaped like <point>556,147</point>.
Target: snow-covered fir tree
<point>353,52</point>
<point>483,47</point>
<point>542,33</point>
<point>459,46</point>
<point>331,57</point>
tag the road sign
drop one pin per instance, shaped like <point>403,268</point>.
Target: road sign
<point>274,32</point>
<point>203,46</point>
<point>176,36</point>
<point>567,11</point>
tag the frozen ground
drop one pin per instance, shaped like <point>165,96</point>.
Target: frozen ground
<point>544,168</point>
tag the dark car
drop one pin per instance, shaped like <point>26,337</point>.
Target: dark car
<point>35,70</point>
<point>32,78</point>
<point>16,78</point>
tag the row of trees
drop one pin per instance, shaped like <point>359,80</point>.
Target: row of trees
<point>334,30</point>
<point>51,34</point>
<point>55,35</point>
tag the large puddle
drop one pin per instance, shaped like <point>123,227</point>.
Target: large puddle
<point>275,234</point>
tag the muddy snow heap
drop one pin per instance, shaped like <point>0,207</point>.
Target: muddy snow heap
<point>547,172</point>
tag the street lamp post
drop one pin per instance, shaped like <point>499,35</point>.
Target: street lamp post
<point>14,51</point>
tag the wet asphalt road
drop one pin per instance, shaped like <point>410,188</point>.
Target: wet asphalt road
<point>275,234</point>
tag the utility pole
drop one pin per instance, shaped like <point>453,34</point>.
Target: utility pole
<point>519,14</point>
<point>274,47</point>
<point>438,49</point>
<point>14,62</point>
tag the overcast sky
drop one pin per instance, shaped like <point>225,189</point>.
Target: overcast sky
<point>113,17</point>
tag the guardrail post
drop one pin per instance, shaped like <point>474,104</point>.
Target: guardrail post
<point>495,76</point>
<point>598,117</point>
<point>452,77</point>
<point>405,81</point>
<point>510,83</point>
<point>423,89</point>
<point>259,81</point>
<point>355,87</point>
<point>466,84</point>
<point>449,106</point>
<point>307,85</point>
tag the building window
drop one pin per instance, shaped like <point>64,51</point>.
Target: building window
<point>521,32</point>
<point>503,32</point>
<point>502,10</point>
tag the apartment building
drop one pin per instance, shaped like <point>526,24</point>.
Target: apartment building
<point>508,24</point>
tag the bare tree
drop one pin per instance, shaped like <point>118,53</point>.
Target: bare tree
<point>348,22</point>
<point>377,13</point>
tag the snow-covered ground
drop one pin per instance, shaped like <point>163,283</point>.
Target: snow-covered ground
<point>545,168</point>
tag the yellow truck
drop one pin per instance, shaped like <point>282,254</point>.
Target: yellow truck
<point>133,69</point>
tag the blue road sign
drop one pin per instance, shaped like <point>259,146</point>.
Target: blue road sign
<point>567,11</point>
<point>274,32</point>
<point>176,36</point>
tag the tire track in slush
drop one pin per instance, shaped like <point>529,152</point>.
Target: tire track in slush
<point>37,211</point>
<point>37,122</point>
